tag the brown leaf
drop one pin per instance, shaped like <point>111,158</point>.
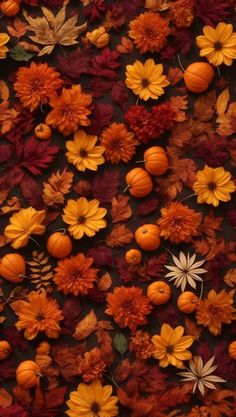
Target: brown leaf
<point>119,236</point>
<point>211,223</point>
<point>22,395</point>
<point>29,46</point>
<point>120,210</point>
<point>179,103</point>
<point>204,106</point>
<point>11,205</point>
<point>4,91</point>
<point>57,186</point>
<point>192,329</point>
<point>222,103</point>
<point>18,28</point>
<point>5,398</point>
<point>7,117</point>
<point>105,282</point>
<point>126,45</point>
<point>174,75</point>
<point>65,357</point>
<point>86,326</point>
<point>230,277</point>
<point>157,5</point>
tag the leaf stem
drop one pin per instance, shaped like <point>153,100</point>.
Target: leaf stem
<point>36,243</point>
<point>186,198</point>
<point>180,63</point>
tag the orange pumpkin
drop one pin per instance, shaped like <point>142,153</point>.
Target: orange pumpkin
<point>159,292</point>
<point>155,160</point>
<point>139,182</point>
<point>10,8</point>
<point>5,349</point>
<point>148,237</point>
<point>232,349</point>
<point>59,245</point>
<point>133,257</point>
<point>43,348</point>
<point>198,76</point>
<point>187,302</point>
<point>28,374</point>
<point>43,131</point>
<point>12,267</point>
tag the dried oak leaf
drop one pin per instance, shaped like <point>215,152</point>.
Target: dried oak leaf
<point>106,185</point>
<point>204,106</point>
<point>57,186</point>
<point>13,204</point>
<point>102,255</point>
<point>86,326</point>
<point>65,357</point>
<point>219,403</point>
<point>5,398</point>
<point>119,236</point>
<point>51,30</point>
<point>7,117</point>
<point>120,209</point>
<point>211,224</point>
<point>212,12</point>
<point>230,277</point>
<point>22,395</point>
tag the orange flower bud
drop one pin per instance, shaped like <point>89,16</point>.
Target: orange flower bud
<point>98,37</point>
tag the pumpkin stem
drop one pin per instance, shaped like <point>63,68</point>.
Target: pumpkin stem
<point>41,108</point>
<point>186,198</point>
<point>180,63</point>
<point>126,188</point>
<point>39,374</point>
<point>36,243</point>
<point>140,162</point>
<point>63,230</point>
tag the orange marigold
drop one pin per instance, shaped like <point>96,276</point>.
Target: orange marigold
<point>215,310</point>
<point>128,306</point>
<point>179,223</point>
<point>141,345</point>
<point>149,32</point>
<point>36,85</point>
<point>39,314</point>
<point>92,365</point>
<point>74,275</point>
<point>70,110</point>
<point>182,13</point>
<point>118,142</point>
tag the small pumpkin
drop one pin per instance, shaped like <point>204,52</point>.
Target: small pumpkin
<point>139,182</point>
<point>159,292</point>
<point>232,349</point>
<point>155,160</point>
<point>10,7</point>
<point>133,257</point>
<point>12,267</point>
<point>187,302</point>
<point>5,349</point>
<point>59,245</point>
<point>148,237</point>
<point>28,374</point>
<point>198,76</point>
<point>43,131</point>
<point>43,348</point>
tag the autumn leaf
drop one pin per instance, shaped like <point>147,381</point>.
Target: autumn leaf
<point>192,329</point>
<point>178,104</point>
<point>222,103</point>
<point>211,224</point>
<point>40,270</point>
<point>120,209</point>
<point>230,277</point>
<point>58,185</point>
<point>105,186</point>
<point>12,205</point>
<point>119,236</point>
<point>157,5</point>
<point>5,398</point>
<point>174,75</point>
<point>7,117</point>
<point>105,282</point>
<point>65,357</point>
<point>22,395</point>
<point>18,28</point>
<point>126,46</point>
<point>86,326</point>
<point>204,106</point>
<point>4,91</point>
<point>38,156</point>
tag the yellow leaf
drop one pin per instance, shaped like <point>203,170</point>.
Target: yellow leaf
<point>105,282</point>
<point>86,326</point>
<point>222,103</point>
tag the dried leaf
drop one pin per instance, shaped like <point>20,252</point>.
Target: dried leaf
<point>192,329</point>
<point>12,205</point>
<point>222,103</point>
<point>120,343</point>
<point>126,46</point>
<point>18,53</point>
<point>204,106</point>
<point>119,236</point>
<point>230,277</point>
<point>18,28</point>
<point>58,185</point>
<point>157,5</point>
<point>4,91</point>
<point>105,186</point>
<point>179,103</point>
<point>5,398</point>
<point>120,210</point>
<point>105,282</point>
<point>174,75</point>
<point>211,224</point>
<point>86,326</point>
<point>41,271</point>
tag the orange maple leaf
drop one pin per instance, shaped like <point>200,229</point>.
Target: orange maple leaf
<point>119,236</point>
<point>120,210</point>
<point>18,28</point>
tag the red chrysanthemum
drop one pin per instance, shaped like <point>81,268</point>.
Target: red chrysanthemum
<point>138,120</point>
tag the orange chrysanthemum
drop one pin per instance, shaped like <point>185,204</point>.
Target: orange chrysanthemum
<point>141,345</point>
<point>149,32</point>
<point>118,142</point>
<point>36,85</point>
<point>128,306</point>
<point>70,110</point>
<point>215,310</point>
<point>179,223</point>
<point>39,314</point>
<point>92,365</point>
<point>74,275</point>
<point>182,13</point>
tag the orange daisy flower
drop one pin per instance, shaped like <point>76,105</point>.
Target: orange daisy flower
<point>70,110</point>
<point>215,310</point>
<point>92,365</point>
<point>74,275</point>
<point>118,142</point>
<point>141,345</point>
<point>128,306</point>
<point>149,32</point>
<point>179,223</point>
<point>36,85</point>
<point>39,314</point>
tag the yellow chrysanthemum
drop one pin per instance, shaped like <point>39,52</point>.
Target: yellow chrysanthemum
<point>92,400</point>
<point>84,217</point>
<point>23,224</point>
<point>170,347</point>
<point>213,185</point>
<point>4,38</point>
<point>83,153</point>
<point>146,80</point>
<point>218,45</point>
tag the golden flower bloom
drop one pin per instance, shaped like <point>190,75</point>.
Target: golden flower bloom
<point>92,400</point>
<point>74,275</point>
<point>128,306</point>
<point>4,38</point>
<point>84,217</point>
<point>149,32</point>
<point>141,345</point>
<point>218,45</point>
<point>98,37</point>
<point>213,185</point>
<point>83,152</point>
<point>39,314</point>
<point>179,223</point>
<point>70,110</point>
<point>92,365</point>
<point>36,84</point>
<point>181,12</point>
<point>24,223</point>
<point>216,309</point>
<point>170,347</point>
<point>146,80</point>
<point>118,142</point>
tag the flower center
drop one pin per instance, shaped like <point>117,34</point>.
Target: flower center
<point>83,153</point>
<point>149,32</point>
<point>145,82</point>
<point>68,112</point>
<point>218,46</point>
<point>95,408</point>
<point>128,306</point>
<point>37,85</point>
<point>115,144</point>
<point>176,223</point>
<point>169,349</point>
<point>81,219</point>
<point>40,317</point>
<point>212,186</point>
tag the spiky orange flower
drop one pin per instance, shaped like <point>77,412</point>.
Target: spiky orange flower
<point>181,12</point>
<point>36,84</point>
<point>128,306</point>
<point>215,310</point>
<point>92,365</point>
<point>39,314</point>
<point>70,110</point>
<point>118,142</point>
<point>149,32</point>
<point>74,275</point>
<point>141,345</point>
<point>179,223</point>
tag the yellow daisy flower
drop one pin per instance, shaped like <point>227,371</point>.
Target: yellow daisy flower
<point>83,153</point>
<point>4,38</point>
